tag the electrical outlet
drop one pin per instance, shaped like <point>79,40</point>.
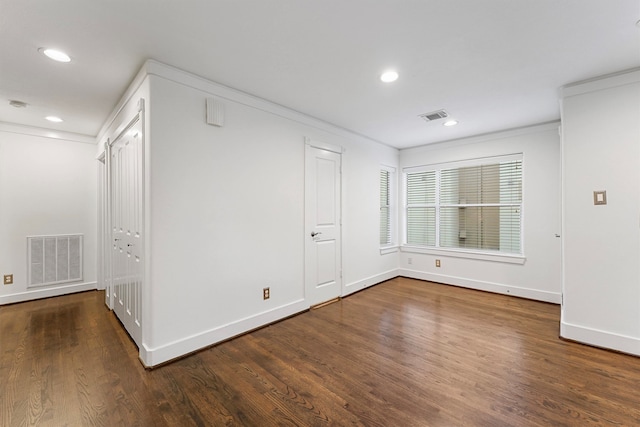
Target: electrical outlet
<point>266,293</point>
<point>8,279</point>
<point>437,263</point>
<point>409,261</point>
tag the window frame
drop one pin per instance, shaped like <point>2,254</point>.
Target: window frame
<point>472,253</point>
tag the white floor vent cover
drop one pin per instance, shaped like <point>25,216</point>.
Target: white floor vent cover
<point>54,259</point>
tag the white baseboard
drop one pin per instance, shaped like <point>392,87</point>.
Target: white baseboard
<point>46,292</point>
<point>499,288</point>
<point>598,338</point>
<point>369,281</point>
<point>154,356</point>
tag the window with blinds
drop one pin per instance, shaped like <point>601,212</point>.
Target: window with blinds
<point>476,207</point>
<point>421,208</point>
<point>385,211</point>
<point>386,206</point>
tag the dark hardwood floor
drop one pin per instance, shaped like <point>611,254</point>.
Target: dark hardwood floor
<point>402,353</point>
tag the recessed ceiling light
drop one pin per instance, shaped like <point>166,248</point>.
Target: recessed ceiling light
<point>389,76</point>
<point>450,123</point>
<point>54,119</point>
<point>56,55</point>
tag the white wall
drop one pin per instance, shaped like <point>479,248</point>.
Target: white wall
<point>226,213</point>
<point>540,275</point>
<point>47,187</point>
<point>362,262</point>
<point>601,151</point>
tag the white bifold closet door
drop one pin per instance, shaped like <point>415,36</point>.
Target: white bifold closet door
<point>126,157</point>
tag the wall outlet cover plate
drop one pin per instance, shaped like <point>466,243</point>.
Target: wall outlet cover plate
<point>599,197</point>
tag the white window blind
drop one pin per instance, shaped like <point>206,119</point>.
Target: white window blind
<point>385,208</point>
<point>421,208</point>
<point>476,207</point>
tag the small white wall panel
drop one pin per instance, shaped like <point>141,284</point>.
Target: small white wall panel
<point>215,112</point>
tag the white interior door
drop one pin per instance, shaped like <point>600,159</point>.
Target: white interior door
<point>323,243</point>
<point>126,174</point>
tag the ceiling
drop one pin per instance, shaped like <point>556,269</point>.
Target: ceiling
<point>492,64</point>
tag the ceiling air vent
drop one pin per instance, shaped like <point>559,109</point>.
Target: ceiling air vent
<point>435,115</point>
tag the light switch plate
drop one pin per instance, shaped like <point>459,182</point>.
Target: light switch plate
<point>599,197</point>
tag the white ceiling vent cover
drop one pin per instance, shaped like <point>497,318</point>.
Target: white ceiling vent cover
<point>434,115</point>
<point>54,259</point>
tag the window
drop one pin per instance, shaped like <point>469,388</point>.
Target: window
<point>471,206</point>
<point>421,208</point>
<point>387,193</point>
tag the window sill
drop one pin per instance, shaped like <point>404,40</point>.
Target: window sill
<point>389,250</point>
<point>483,256</point>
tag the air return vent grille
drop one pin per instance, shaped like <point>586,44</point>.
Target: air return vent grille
<point>435,115</point>
<point>54,259</point>
<point>215,112</point>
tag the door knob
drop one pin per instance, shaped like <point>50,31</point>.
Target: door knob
<point>315,233</point>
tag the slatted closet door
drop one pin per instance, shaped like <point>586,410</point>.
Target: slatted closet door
<point>126,176</point>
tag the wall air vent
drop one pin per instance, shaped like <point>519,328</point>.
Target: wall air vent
<point>54,259</point>
<point>215,112</point>
<point>434,115</point>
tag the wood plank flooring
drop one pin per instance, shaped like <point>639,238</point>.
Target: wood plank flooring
<point>402,353</point>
